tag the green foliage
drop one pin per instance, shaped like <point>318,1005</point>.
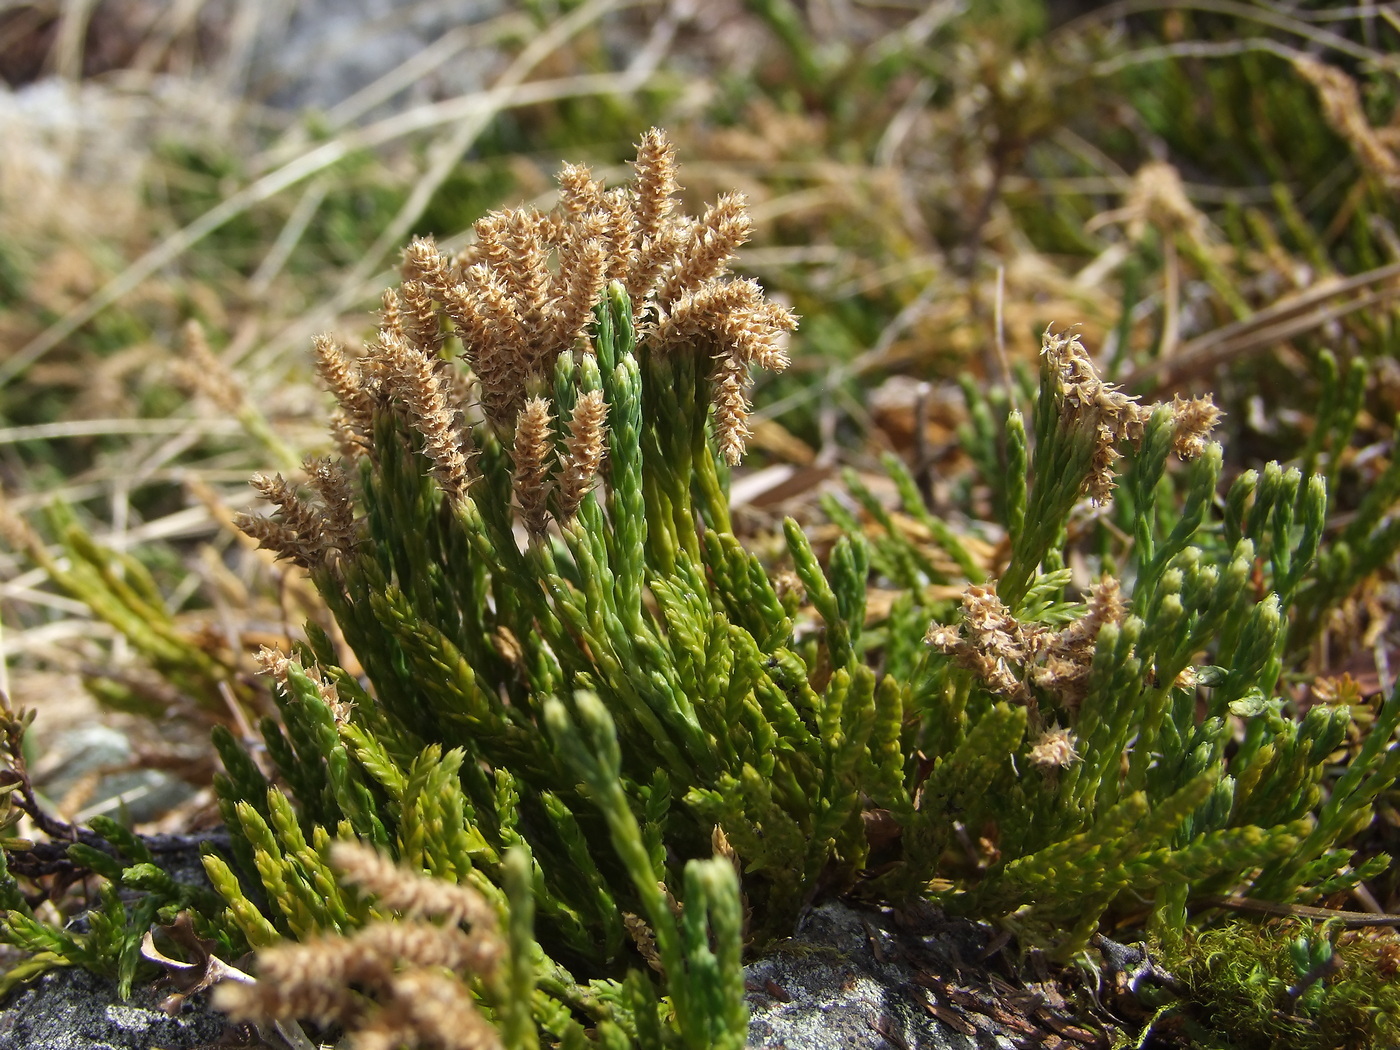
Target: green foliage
<point>121,591</point>
<point>428,628</point>
<point>111,946</point>
<point>1153,798</point>
<point>134,895</point>
<point>639,680</point>
<point>647,657</point>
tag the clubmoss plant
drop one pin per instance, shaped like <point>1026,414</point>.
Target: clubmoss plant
<point>535,645</point>
<point>580,708</point>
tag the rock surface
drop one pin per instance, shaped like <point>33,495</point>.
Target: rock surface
<point>74,1010</point>
<point>324,51</point>
<point>849,980</point>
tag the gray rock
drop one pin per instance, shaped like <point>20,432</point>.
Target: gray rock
<point>848,981</point>
<point>75,753</point>
<point>137,796</point>
<point>127,794</point>
<point>74,1010</point>
<point>317,53</point>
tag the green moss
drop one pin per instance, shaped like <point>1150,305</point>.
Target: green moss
<point>1249,982</point>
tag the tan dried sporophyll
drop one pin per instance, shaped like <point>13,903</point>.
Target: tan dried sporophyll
<point>1375,147</point>
<point>392,983</point>
<point>516,300</point>
<point>1017,658</point>
<point>1010,656</point>
<point>1087,402</point>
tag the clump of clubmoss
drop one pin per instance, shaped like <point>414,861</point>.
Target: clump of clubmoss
<point>562,681</point>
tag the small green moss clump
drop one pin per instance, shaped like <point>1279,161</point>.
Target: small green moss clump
<point>1290,982</point>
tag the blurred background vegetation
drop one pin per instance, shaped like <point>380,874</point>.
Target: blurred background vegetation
<point>191,189</point>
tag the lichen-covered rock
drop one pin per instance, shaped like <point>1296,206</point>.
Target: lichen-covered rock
<point>74,1010</point>
<point>849,980</point>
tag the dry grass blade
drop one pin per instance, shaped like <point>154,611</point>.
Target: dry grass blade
<point>291,233</point>
<point>403,76</point>
<point>446,155</point>
<point>1249,12</point>
<point>172,248</point>
<point>1284,320</point>
<point>108,427</point>
<point>472,112</point>
<point>1196,49</point>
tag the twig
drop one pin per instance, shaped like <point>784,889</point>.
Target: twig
<point>1349,919</point>
<point>1247,12</point>
<point>1283,320</point>
<point>1195,49</point>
